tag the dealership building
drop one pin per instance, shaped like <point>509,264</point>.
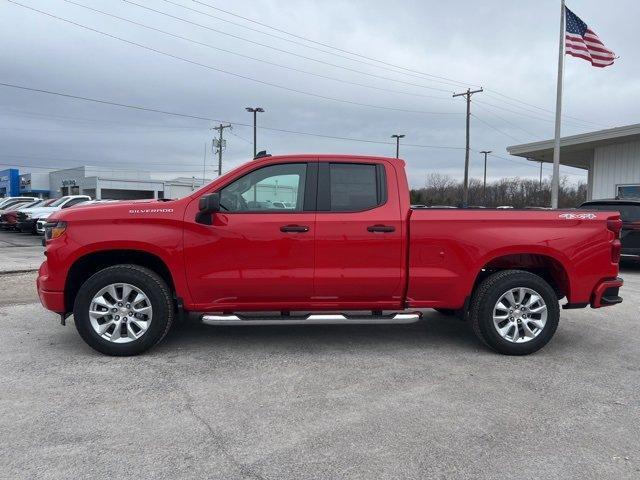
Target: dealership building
<point>97,182</point>
<point>611,158</point>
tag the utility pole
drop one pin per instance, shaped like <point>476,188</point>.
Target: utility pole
<point>255,112</point>
<point>484,184</point>
<point>540,175</point>
<point>204,163</point>
<point>465,187</point>
<point>397,137</point>
<point>220,144</point>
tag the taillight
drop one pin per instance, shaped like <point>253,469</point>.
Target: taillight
<point>615,225</point>
<point>616,249</point>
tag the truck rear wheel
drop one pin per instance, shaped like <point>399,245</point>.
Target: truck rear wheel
<point>515,312</point>
<point>123,310</point>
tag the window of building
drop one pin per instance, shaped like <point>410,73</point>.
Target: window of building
<point>628,191</point>
<point>273,188</point>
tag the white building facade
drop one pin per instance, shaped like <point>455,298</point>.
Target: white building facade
<point>611,158</point>
<point>117,184</point>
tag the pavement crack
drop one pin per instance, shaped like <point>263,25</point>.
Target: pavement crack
<point>219,443</point>
<point>216,439</point>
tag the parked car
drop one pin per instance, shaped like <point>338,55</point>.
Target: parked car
<point>127,270</point>
<point>6,202</point>
<point>629,213</point>
<point>16,205</point>
<point>28,218</point>
<point>42,221</point>
<point>9,217</point>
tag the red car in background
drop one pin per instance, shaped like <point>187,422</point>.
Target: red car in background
<point>9,219</point>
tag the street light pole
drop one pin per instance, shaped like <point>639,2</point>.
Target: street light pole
<point>397,137</point>
<point>484,184</point>
<point>255,112</point>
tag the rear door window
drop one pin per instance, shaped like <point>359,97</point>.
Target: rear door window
<point>355,187</point>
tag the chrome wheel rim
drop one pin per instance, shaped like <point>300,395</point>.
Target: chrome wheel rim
<point>120,313</point>
<point>520,315</point>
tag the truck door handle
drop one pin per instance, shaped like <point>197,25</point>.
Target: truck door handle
<point>381,228</point>
<point>294,228</point>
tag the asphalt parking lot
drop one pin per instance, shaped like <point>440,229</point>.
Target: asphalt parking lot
<point>20,251</point>
<point>357,402</point>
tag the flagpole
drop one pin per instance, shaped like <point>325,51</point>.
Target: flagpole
<point>555,181</point>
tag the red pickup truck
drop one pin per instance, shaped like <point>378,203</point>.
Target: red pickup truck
<point>322,239</point>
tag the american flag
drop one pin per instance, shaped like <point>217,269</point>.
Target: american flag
<point>582,42</point>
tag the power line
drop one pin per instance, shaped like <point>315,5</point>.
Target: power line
<point>496,128</point>
<point>261,60</point>
<point>63,159</point>
<point>542,119</point>
<point>237,75</point>
<point>301,44</point>
<point>541,108</point>
<point>96,120</point>
<point>288,52</point>
<point>423,74</point>
<point>452,82</point>
<point>534,135</point>
<point>529,163</point>
<point>209,119</point>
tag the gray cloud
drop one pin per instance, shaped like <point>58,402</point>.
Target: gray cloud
<point>507,47</point>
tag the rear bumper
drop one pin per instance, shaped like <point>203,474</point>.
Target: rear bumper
<point>607,293</point>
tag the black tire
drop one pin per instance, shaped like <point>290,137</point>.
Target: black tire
<point>487,295</point>
<point>154,287</point>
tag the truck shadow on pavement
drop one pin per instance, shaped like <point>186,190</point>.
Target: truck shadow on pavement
<point>433,330</point>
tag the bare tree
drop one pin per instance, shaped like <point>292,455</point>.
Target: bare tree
<point>442,189</point>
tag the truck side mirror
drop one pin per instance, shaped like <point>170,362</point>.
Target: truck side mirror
<point>207,205</point>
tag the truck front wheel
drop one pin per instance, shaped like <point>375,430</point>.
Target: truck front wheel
<point>514,312</point>
<point>123,310</point>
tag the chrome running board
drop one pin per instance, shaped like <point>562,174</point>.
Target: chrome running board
<point>313,319</point>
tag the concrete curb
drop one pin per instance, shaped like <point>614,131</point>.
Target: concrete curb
<point>9,272</point>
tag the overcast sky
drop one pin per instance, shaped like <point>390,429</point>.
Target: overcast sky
<point>508,47</point>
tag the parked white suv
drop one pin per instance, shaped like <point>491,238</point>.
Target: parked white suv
<point>28,217</point>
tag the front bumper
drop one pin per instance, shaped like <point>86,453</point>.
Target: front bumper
<point>51,300</point>
<point>607,293</point>
<point>27,225</point>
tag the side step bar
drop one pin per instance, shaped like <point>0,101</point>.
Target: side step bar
<point>313,319</point>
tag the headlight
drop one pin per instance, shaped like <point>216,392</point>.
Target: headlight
<point>54,229</point>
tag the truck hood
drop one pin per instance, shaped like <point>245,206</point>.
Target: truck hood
<point>120,210</point>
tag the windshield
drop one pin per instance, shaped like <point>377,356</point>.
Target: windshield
<point>59,202</point>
